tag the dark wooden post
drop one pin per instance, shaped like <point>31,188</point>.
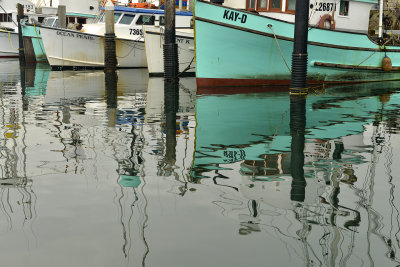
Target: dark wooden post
<point>20,16</point>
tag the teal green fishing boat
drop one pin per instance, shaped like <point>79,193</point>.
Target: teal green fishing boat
<point>252,44</point>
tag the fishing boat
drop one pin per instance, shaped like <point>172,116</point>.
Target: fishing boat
<point>85,49</point>
<point>8,26</point>
<point>77,14</point>
<point>252,43</point>
<point>154,41</point>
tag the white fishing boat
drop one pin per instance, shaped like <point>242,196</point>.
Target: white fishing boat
<point>8,25</point>
<point>154,41</point>
<point>85,49</point>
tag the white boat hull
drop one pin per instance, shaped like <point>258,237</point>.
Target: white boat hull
<point>72,49</point>
<point>8,44</point>
<point>154,41</point>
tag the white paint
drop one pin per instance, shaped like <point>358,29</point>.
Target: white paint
<point>380,18</point>
<point>154,49</point>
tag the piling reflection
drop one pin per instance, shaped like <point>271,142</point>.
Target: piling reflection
<point>151,174</point>
<point>297,132</point>
<point>171,104</point>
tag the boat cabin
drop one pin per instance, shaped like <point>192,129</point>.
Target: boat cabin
<point>8,12</point>
<point>130,21</point>
<point>346,15</point>
<point>144,16</point>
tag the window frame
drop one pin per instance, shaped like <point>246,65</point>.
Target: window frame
<point>251,9</point>
<point>287,10</point>
<point>261,8</point>
<point>152,18</point>
<point>133,16</point>
<point>348,7</point>
<point>270,9</point>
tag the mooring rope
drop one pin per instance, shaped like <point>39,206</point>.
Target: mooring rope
<point>9,39</point>
<point>280,51</point>
<point>37,35</point>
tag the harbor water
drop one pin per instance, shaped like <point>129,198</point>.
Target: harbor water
<point>128,171</point>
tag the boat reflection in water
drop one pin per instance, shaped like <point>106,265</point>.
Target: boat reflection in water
<point>124,170</point>
<point>307,168</point>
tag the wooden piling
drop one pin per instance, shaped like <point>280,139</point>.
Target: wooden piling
<point>62,16</point>
<point>170,48</point>
<point>20,16</point>
<point>110,54</point>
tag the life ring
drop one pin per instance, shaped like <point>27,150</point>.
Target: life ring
<point>324,19</point>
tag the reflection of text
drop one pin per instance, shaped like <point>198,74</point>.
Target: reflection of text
<point>233,155</point>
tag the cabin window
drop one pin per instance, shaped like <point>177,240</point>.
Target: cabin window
<point>126,19</point>
<point>344,8</point>
<point>162,20</point>
<point>251,4</point>
<point>291,5</point>
<point>48,22</point>
<point>275,5</point>
<point>116,17</point>
<point>145,20</point>
<point>82,20</point>
<point>71,20</point>
<point>262,4</point>
<point>4,17</point>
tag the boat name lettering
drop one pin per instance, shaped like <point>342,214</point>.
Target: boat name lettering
<point>182,41</point>
<point>135,32</point>
<point>234,16</point>
<point>325,7</point>
<point>76,35</point>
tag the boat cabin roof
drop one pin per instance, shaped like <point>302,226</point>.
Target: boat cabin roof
<point>148,11</point>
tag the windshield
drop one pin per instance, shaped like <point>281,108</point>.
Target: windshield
<point>127,19</point>
<point>116,17</point>
<point>49,22</point>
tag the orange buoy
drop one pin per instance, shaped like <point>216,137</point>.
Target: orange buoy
<point>386,64</point>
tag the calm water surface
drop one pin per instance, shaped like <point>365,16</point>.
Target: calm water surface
<point>128,173</point>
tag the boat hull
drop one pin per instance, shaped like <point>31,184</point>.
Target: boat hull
<point>33,44</point>
<point>72,49</point>
<point>8,44</point>
<point>246,51</point>
<point>154,41</point>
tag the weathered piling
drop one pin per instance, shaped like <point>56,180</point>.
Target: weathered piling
<point>110,54</point>
<point>20,16</point>
<point>170,48</point>
<point>297,132</point>
<point>300,56</point>
<point>62,16</point>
